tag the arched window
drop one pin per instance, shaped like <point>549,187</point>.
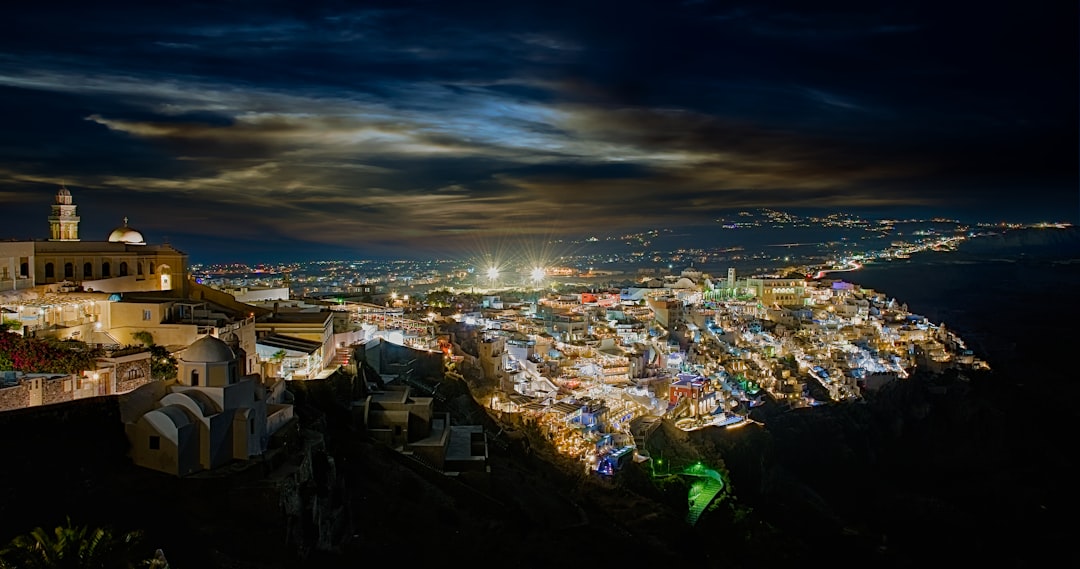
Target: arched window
<point>123,268</point>
<point>69,270</point>
<point>50,271</point>
<point>106,270</point>
<point>87,270</point>
<point>24,270</point>
<point>150,267</point>
<point>138,268</point>
<point>195,377</point>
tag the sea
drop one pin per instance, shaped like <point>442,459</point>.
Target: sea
<point>1010,297</point>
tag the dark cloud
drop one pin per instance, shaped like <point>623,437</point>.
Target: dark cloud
<point>406,126</point>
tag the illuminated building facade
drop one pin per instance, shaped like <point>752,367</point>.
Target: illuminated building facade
<point>122,263</point>
<point>782,292</point>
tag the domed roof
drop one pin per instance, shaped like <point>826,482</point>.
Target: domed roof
<point>125,234</point>
<point>63,196</point>
<point>208,349</point>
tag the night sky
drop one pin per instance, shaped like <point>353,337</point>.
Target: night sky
<point>247,132</point>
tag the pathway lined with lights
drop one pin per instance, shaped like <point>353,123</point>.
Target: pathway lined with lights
<point>702,492</point>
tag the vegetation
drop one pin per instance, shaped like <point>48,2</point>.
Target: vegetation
<point>444,298</point>
<point>76,547</point>
<point>6,325</point>
<point>144,337</point>
<point>32,355</point>
<point>162,364</point>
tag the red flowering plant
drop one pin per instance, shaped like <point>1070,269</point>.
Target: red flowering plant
<point>32,355</point>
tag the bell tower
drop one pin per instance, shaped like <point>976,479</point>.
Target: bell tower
<point>63,223</point>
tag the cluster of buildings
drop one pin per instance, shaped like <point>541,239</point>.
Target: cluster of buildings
<point>595,371</point>
<point>235,348</point>
<point>120,295</point>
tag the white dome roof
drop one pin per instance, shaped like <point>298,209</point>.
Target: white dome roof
<point>208,349</point>
<point>125,234</point>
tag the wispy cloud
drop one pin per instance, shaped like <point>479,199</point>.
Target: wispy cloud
<point>398,123</point>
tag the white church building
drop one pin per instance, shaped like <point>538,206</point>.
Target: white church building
<point>211,416</point>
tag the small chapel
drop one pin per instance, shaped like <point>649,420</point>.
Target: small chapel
<point>211,416</point>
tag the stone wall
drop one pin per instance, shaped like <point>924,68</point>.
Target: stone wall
<point>58,390</point>
<point>61,389</point>
<point>124,383</point>
<point>14,397</point>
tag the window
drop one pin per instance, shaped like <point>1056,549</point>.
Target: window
<point>251,426</point>
<point>123,269</point>
<point>106,270</point>
<point>150,268</point>
<point>87,270</point>
<point>195,377</point>
<point>155,442</point>
<point>24,267</point>
<point>69,271</point>
<point>146,314</point>
<point>134,373</point>
<point>138,268</point>
<point>50,271</point>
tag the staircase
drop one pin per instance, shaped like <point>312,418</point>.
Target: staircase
<point>702,500</point>
<point>341,357</point>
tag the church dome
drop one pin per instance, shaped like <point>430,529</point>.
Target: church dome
<point>125,234</point>
<point>208,349</point>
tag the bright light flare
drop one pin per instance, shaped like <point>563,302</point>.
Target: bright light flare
<point>538,274</point>
<point>493,273</point>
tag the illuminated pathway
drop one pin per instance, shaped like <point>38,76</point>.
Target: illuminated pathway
<point>849,266</point>
<point>701,492</point>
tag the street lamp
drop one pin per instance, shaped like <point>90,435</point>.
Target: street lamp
<point>538,275</point>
